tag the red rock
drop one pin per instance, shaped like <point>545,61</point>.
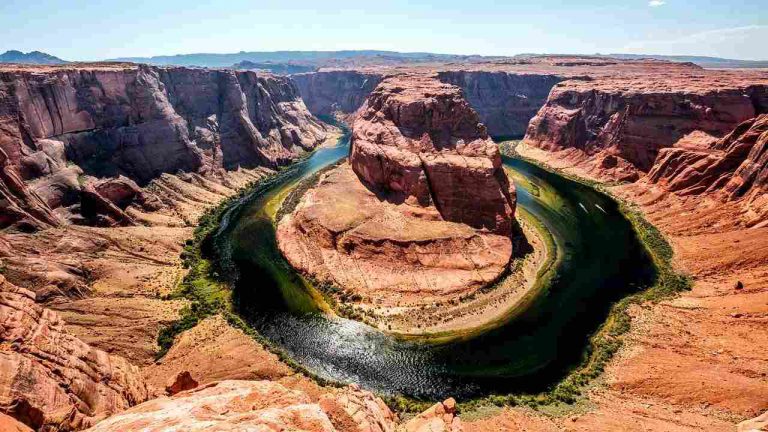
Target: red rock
<point>255,405</point>
<point>734,167</point>
<point>637,118</point>
<point>336,91</point>
<point>441,417</point>
<point>61,123</point>
<point>417,140</point>
<point>50,379</point>
<point>183,381</point>
<point>9,424</point>
<point>505,101</point>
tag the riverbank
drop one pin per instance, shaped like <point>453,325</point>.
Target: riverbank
<point>687,360</point>
<point>454,319</point>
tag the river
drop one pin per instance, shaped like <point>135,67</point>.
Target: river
<point>600,260</point>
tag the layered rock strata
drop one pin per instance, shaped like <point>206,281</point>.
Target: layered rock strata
<point>49,379</point>
<point>63,128</point>
<point>421,213</point>
<point>734,167</point>
<point>327,93</point>
<point>621,123</point>
<point>506,102</point>
<point>258,406</point>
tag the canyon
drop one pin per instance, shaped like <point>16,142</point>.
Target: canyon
<point>106,169</point>
<point>421,213</point>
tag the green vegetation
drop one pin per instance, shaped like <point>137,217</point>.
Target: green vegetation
<point>610,337</point>
<point>209,294</point>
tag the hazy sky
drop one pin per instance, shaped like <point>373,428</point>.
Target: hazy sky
<point>93,30</point>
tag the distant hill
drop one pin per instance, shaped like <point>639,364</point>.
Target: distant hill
<point>303,58</point>
<point>275,68</point>
<point>703,61</point>
<point>33,57</point>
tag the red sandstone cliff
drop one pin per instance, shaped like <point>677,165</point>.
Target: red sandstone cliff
<point>734,167</point>
<point>49,379</point>
<point>423,211</point>
<point>418,140</point>
<point>328,92</point>
<point>505,101</point>
<point>64,127</point>
<point>631,119</point>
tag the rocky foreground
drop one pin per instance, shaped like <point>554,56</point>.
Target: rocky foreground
<point>421,213</point>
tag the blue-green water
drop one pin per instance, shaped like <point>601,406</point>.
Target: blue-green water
<point>600,261</point>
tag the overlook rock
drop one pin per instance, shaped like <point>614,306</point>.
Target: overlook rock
<point>50,379</point>
<point>256,406</point>
<point>422,211</point>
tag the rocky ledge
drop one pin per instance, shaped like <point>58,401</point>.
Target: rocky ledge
<point>76,142</point>
<point>734,167</point>
<point>616,125</point>
<point>421,213</point>
<point>50,379</point>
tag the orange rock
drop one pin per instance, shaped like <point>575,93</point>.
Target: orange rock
<point>181,382</point>
<point>255,405</point>
<point>50,378</point>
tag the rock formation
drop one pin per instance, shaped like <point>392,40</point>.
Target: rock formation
<point>506,102</point>
<point>329,92</point>
<point>418,141</point>
<point>631,120</point>
<point>51,380</point>
<point>422,212</point>
<point>440,417</point>
<point>256,405</point>
<point>62,128</point>
<point>735,166</point>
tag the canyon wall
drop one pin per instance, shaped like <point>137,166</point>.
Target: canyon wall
<point>422,212</point>
<point>328,92</point>
<point>506,102</point>
<point>633,119</point>
<point>734,167</point>
<point>63,128</point>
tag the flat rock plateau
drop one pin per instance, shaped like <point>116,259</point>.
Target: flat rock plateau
<point>105,169</point>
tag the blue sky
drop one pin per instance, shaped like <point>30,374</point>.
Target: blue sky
<point>93,30</point>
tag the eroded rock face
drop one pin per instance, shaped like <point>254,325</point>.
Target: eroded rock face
<point>51,380</point>
<point>735,166</point>
<point>422,212</point>
<point>634,119</point>
<point>418,141</point>
<point>60,126</point>
<point>329,92</point>
<point>389,254</point>
<point>257,406</point>
<point>506,102</point>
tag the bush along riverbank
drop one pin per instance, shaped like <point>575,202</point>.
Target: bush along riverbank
<point>610,336</point>
<point>208,287</point>
<point>210,293</point>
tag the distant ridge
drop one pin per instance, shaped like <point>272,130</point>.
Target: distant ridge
<point>703,61</point>
<point>32,57</point>
<point>304,58</point>
<point>275,68</point>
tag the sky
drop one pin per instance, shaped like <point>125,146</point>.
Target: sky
<point>97,30</point>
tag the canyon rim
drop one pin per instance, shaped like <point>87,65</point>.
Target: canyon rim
<point>375,241</point>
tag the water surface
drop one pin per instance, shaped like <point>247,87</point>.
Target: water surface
<point>600,261</point>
